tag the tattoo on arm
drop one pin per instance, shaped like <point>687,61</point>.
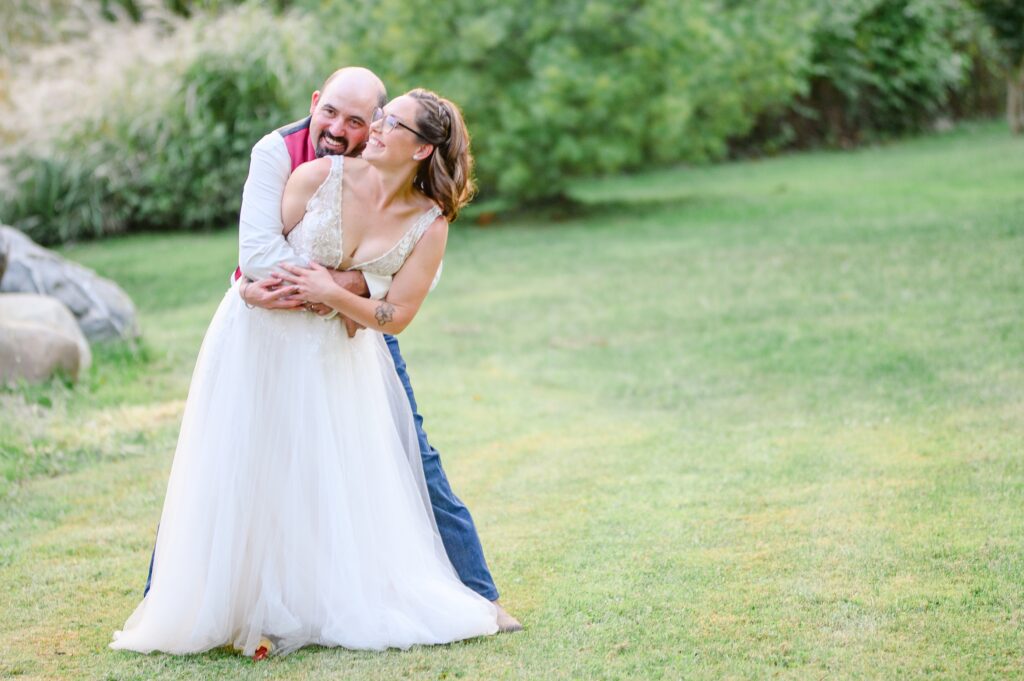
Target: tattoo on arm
<point>385,313</point>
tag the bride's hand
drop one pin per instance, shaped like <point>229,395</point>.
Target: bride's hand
<point>314,283</point>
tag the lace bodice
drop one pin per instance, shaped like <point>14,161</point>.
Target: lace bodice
<point>318,236</point>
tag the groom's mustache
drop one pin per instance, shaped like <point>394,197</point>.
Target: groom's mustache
<point>339,145</point>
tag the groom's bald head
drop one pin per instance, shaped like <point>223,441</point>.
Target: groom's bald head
<point>358,79</point>
<point>341,111</point>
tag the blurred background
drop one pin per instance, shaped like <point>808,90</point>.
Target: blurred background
<point>138,115</point>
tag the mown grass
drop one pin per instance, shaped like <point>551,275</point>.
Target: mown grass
<point>754,420</point>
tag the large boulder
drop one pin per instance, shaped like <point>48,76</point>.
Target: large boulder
<point>48,312</point>
<point>3,255</point>
<point>34,353</point>
<point>103,310</point>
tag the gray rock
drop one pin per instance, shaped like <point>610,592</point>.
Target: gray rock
<point>34,353</point>
<point>104,311</point>
<point>3,255</point>
<point>48,312</point>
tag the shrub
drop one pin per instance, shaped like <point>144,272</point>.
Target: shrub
<point>163,142</point>
<point>1006,18</point>
<point>164,112</point>
<point>562,89</point>
<point>885,66</point>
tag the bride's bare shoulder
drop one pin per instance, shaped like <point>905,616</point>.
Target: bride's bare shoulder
<point>312,172</point>
<point>302,184</point>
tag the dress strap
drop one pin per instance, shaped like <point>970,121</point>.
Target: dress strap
<point>328,195</point>
<point>337,163</point>
<point>423,222</point>
<point>323,216</point>
<point>336,177</point>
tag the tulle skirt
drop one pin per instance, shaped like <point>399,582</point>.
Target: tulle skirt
<point>296,507</point>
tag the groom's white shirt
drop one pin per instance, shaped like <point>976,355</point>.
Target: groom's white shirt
<point>261,242</point>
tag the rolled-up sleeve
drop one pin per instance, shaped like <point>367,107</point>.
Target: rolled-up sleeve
<point>261,244</point>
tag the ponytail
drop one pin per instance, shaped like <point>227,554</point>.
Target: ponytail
<point>447,174</point>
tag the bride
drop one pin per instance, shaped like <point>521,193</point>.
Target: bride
<point>296,511</point>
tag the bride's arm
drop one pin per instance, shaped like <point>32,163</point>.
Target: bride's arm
<point>408,289</point>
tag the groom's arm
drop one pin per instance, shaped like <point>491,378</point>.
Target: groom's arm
<point>261,243</point>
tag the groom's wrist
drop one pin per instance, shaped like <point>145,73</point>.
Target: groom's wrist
<point>352,281</point>
<point>243,289</point>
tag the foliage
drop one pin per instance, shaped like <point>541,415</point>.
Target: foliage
<point>1006,17</point>
<point>139,9</point>
<point>169,99</point>
<point>885,66</point>
<point>25,25</point>
<point>164,143</point>
<point>28,23</point>
<point>557,90</point>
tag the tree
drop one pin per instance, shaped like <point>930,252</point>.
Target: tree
<point>1006,18</point>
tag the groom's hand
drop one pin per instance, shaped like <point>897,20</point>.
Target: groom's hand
<point>351,326</point>
<point>270,294</point>
<point>352,281</point>
<point>355,282</point>
<point>319,309</point>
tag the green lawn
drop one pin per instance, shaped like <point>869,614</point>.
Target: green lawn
<point>755,420</point>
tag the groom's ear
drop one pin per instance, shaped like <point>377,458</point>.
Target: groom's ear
<point>313,100</point>
<point>422,152</point>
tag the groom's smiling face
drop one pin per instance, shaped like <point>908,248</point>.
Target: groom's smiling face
<point>340,122</point>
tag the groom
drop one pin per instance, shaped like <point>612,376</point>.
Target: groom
<point>339,124</point>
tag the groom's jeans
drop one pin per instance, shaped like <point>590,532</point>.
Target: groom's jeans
<point>453,519</point>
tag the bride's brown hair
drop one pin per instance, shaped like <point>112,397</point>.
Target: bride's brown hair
<point>447,174</point>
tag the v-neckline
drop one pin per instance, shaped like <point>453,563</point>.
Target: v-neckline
<point>341,225</point>
<point>398,243</point>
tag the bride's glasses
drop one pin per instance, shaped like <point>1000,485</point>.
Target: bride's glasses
<point>390,122</point>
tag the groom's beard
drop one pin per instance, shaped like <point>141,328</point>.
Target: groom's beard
<point>340,146</point>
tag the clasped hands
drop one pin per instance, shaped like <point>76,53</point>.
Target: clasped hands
<point>304,288</point>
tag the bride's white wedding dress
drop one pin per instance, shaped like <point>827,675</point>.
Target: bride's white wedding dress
<point>296,507</point>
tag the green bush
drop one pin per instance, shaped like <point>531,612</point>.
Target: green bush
<point>552,90</point>
<point>886,66</point>
<point>1006,19</point>
<point>561,89</point>
<point>169,146</point>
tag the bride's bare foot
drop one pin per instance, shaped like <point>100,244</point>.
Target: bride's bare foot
<point>506,622</point>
